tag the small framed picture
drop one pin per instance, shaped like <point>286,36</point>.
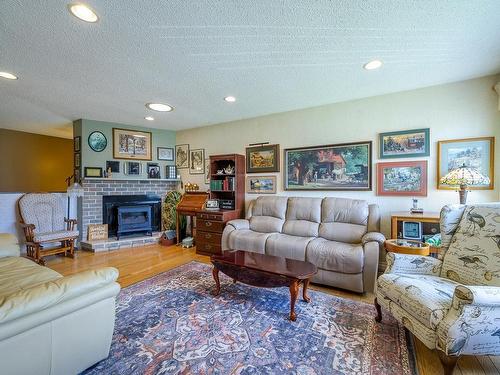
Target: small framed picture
<point>208,174</point>
<point>76,143</point>
<point>76,173</point>
<point>197,161</point>
<point>182,156</point>
<point>477,153</point>
<point>113,166</point>
<point>405,144</point>
<point>93,172</point>
<point>171,172</point>
<point>261,159</point>
<point>261,184</point>
<point>406,178</point>
<point>133,168</point>
<point>153,170</point>
<point>165,153</point>
<point>77,160</point>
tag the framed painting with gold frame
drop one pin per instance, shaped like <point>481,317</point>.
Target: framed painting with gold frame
<point>478,153</point>
<point>131,144</point>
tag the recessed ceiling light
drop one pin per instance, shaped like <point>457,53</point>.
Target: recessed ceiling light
<point>230,99</point>
<point>374,64</point>
<point>7,75</point>
<point>149,118</point>
<point>160,107</point>
<point>83,12</point>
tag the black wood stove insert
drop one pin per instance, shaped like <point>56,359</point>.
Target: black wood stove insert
<point>128,214</point>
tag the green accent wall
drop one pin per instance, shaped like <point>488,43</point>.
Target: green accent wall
<point>90,158</point>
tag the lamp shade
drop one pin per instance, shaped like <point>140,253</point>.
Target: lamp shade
<point>465,176</point>
<point>75,190</point>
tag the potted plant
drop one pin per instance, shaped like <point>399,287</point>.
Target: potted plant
<point>169,217</point>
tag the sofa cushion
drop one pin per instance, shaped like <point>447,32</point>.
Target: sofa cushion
<point>335,256</point>
<point>20,273</point>
<point>302,217</point>
<point>9,247</point>
<point>284,245</point>
<point>248,240</point>
<point>268,214</point>
<point>49,236</point>
<point>343,219</point>
<point>426,298</point>
<point>473,255</point>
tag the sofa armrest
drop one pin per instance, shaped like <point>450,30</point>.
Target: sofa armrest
<point>477,295</point>
<point>239,224</point>
<point>413,264</point>
<point>373,237</point>
<point>43,296</point>
<point>9,246</point>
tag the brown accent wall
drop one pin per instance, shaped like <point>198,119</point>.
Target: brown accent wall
<point>32,162</point>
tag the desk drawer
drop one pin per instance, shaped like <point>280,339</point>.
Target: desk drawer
<point>209,237</point>
<point>206,216</point>
<point>210,226</point>
<point>208,248</point>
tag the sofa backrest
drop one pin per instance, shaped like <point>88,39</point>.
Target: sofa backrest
<point>44,210</point>
<point>303,216</point>
<point>473,253</point>
<point>268,214</point>
<point>343,219</point>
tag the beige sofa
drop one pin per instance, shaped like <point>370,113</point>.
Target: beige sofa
<point>339,235</point>
<point>50,324</point>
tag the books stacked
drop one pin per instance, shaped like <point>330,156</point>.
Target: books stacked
<point>227,184</point>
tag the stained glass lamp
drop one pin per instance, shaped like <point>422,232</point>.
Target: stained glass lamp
<point>463,177</point>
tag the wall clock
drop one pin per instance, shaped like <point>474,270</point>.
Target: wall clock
<point>97,141</point>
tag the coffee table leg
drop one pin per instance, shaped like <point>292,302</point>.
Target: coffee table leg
<point>215,274</point>
<point>294,291</point>
<point>304,291</point>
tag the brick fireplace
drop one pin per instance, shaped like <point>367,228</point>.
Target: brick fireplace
<point>90,209</point>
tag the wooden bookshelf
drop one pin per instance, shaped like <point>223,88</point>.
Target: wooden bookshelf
<point>225,187</point>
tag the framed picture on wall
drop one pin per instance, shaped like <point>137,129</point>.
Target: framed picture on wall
<point>406,178</point>
<point>131,144</point>
<point>153,170</point>
<point>478,153</point>
<point>261,159</point>
<point>261,184</point>
<point>197,161</point>
<point>77,160</point>
<point>345,166</point>
<point>76,143</point>
<point>165,153</point>
<point>113,166</point>
<point>405,144</point>
<point>182,156</point>
<point>207,171</point>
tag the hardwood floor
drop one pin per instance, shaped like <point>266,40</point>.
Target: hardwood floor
<point>140,263</point>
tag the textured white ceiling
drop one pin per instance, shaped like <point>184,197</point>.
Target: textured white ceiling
<point>274,56</point>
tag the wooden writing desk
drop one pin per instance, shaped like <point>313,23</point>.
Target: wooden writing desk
<point>189,205</point>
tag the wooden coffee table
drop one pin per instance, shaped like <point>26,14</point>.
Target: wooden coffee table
<point>265,271</point>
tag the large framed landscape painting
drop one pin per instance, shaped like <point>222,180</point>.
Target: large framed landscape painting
<point>261,159</point>
<point>478,153</point>
<point>333,167</point>
<point>405,144</point>
<point>407,178</point>
<point>131,144</point>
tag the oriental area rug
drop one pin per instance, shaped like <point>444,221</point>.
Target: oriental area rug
<point>172,324</point>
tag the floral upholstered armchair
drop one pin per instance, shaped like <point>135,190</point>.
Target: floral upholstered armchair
<point>43,223</point>
<point>452,304</point>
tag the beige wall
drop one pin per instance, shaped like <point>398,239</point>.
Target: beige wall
<point>458,110</point>
<point>32,162</point>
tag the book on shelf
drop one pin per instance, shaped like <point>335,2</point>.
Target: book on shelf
<point>227,184</point>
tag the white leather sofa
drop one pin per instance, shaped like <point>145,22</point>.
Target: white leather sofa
<point>50,324</point>
<point>340,236</point>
